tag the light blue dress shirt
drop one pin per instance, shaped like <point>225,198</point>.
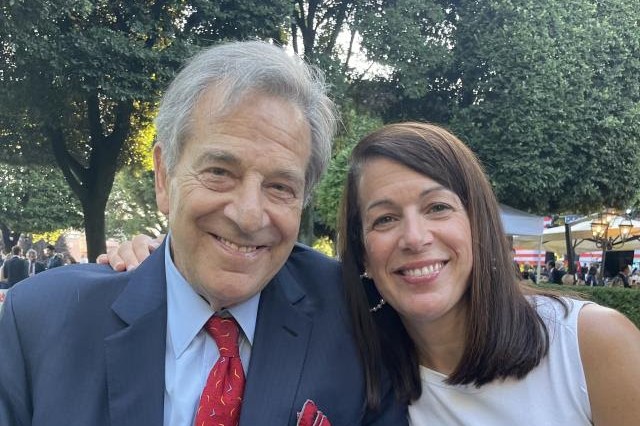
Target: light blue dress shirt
<point>191,352</point>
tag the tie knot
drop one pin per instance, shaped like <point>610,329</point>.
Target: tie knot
<point>225,332</point>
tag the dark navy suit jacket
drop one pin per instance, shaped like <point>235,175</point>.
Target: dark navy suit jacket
<point>83,345</point>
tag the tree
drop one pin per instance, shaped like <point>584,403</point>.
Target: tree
<point>35,200</point>
<point>79,77</point>
<point>329,192</point>
<point>413,38</point>
<point>550,100</point>
<point>545,92</point>
<point>132,205</point>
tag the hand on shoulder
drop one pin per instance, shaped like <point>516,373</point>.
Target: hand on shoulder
<point>129,254</point>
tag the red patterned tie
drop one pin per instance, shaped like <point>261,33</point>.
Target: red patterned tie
<point>222,395</point>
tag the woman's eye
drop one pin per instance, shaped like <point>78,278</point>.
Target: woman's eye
<point>439,208</point>
<point>382,221</point>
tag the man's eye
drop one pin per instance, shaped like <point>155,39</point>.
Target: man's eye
<point>216,178</point>
<point>282,191</point>
<point>217,171</point>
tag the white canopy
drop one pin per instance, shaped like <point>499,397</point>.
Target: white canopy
<point>516,222</point>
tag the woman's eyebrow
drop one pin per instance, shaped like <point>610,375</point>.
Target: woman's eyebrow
<point>388,202</point>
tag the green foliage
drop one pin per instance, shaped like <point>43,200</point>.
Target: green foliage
<point>624,300</point>
<point>36,199</point>
<point>132,206</point>
<point>329,192</point>
<point>412,36</point>
<point>546,92</point>
<point>550,100</point>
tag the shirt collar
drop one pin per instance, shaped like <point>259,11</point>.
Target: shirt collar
<point>187,311</point>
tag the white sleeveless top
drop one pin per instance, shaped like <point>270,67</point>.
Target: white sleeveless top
<point>554,393</point>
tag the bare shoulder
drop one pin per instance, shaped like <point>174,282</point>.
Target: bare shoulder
<point>600,322</point>
<point>610,352</point>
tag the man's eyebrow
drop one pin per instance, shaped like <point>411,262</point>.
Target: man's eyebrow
<point>216,156</point>
<point>291,175</point>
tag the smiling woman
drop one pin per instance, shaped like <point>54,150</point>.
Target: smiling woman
<point>434,298</point>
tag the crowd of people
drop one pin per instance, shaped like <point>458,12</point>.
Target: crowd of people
<point>555,272</point>
<point>14,267</point>
<point>423,320</point>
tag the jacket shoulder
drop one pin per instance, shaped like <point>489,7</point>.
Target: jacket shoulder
<point>68,286</point>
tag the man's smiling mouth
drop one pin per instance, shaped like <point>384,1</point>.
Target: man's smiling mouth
<point>235,247</point>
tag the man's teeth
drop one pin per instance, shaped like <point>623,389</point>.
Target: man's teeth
<point>424,271</point>
<point>234,246</point>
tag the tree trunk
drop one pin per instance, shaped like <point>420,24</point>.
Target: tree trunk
<point>92,183</point>
<point>306,235</point>
<point>9,237</point>
<point>94,226</point>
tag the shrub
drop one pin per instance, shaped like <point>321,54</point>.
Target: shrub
<point>624,300</point>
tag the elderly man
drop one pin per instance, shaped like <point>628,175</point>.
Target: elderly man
<point>34,267</point>
<point>229,321</point>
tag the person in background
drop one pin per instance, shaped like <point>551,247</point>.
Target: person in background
<point>556,272</point>
<point>433,295</point>
<point>15,267</point>
<point>33,266</point>
<point>592,275</point>
<point>622,278</point>
<point>229,322</point>
<point>53,259</point>
<point>583,272</point>
<point>2,279</point>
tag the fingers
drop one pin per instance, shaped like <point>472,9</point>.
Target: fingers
<point>140,248</point>
<point>122,257</point>
<point>129,254</point>
<point>155,243</point>
<point>113,259</point>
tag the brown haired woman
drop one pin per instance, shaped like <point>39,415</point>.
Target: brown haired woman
<point>434,297</point>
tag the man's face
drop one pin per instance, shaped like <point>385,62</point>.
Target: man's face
<point>48,252</point>
<point>235,197</point>
<point>31,255</point>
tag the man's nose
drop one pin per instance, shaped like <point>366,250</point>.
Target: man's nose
<point>416,232</point>
<point>246,209</point>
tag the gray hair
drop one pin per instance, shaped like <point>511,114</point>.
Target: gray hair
<point>236,69</point>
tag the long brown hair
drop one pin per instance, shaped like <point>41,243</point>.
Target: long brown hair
<point>505,337</point>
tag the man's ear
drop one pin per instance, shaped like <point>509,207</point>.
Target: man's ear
<point>161,181</point>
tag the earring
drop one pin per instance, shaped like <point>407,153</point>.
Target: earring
<point>378,306</point>
<point>365,276</point>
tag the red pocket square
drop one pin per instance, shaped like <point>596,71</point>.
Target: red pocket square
<point>311,416</point>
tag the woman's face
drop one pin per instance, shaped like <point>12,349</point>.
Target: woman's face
<point>417,240</point>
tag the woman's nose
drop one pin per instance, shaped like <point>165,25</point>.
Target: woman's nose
<point>416,232</point>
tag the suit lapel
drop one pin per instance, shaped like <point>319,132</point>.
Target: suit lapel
<point>135,355</point>
<point>279,349</point>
